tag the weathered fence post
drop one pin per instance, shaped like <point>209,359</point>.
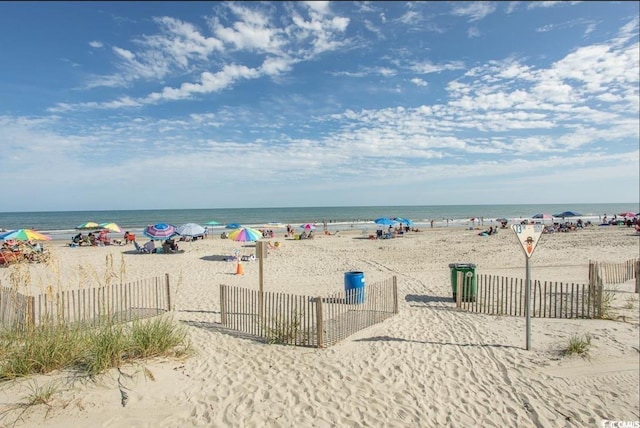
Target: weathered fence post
<point>637,275</point>
<point>395,294</point>
<point>319,321</point>
<point>31,312</point>
<point>223,306</point>
<point>166,281</point>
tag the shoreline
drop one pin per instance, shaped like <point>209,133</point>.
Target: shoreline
<point>67,234</point>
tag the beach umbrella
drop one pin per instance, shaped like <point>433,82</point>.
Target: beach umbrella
<point>24,235</point>
<point>161,231</point>
<point>542,216</point>
<point>110,227</point>
<point>190,229</point>
<point>385,221</point>
<point>403,220</point>
<point>233,226</point>
<point>564,214</point>
<point>212,223</point>
<point>245,234</point>
<point>90,225</point>
<point>308,226</point>
<point>628,214</point>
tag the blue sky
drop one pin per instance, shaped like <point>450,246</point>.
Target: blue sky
<point>145,105</point>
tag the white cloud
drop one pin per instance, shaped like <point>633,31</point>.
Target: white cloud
<point>419,82</point>
<point>548,4</point>
<point>95,44</point>
<point>473,31</point>
<point>428,67</point>
<point>512,6</point>
<point>475,11</point>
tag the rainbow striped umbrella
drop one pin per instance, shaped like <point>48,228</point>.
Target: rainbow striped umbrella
<point>245,234</point>
<point>24,235</point>
<point>110,227</point>
<point>90,225</point>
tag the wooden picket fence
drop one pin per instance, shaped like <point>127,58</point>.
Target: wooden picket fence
<point>307,320</point>
<point>601,273</point>
<point>506,296</point>
<point>90,306</point>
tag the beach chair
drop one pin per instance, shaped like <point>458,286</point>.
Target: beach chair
<point>141,249</point>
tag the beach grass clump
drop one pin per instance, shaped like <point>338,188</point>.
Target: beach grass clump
<point>106,348</point>
<point>578,345</point>
<point>156,337</point>
<point>40,394</point>
<point>608,297</point>
<point>42,350</point>
<point>631,300</point>
<point>88,351</point>
<point>284,331</point>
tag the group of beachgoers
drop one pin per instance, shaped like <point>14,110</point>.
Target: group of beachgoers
<point>15,251</point>
<point>91,239</point>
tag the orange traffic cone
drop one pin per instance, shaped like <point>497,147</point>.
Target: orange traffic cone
<point>239,269</point>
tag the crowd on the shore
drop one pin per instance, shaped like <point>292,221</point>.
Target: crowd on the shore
<point>15,251</point>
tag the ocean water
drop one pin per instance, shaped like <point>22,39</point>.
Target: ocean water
<point>61,224</point>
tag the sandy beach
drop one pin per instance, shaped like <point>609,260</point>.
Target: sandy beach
<point>429,365</point>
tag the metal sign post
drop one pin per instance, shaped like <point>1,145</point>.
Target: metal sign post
<point>528,235</point>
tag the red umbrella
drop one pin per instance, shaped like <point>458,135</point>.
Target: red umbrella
<point>628,214</point>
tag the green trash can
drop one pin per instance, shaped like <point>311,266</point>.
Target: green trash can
<point>470,281</point>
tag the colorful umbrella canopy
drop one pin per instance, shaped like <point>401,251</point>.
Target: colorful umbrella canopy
<point>543,216</point>
<point>24,235</point>
<point>628,214</point>
<point>161,231</point>
<point>190,229</point>
<point>233,226</point>
<point>90,225</point>
<point>110,227</point>
<point>245,234</point>
<point>308,226</point>
<point>403,221</point>
<point>385,221</point>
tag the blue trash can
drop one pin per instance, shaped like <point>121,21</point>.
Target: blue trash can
<point>354,287</point>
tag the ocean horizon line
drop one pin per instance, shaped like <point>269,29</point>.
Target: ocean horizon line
<point>319,207</point>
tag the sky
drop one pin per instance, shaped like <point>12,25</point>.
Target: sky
<point>159,105</point>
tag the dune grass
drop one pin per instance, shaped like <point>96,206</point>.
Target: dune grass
<point>578,345</point>
<point>89,352</point>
